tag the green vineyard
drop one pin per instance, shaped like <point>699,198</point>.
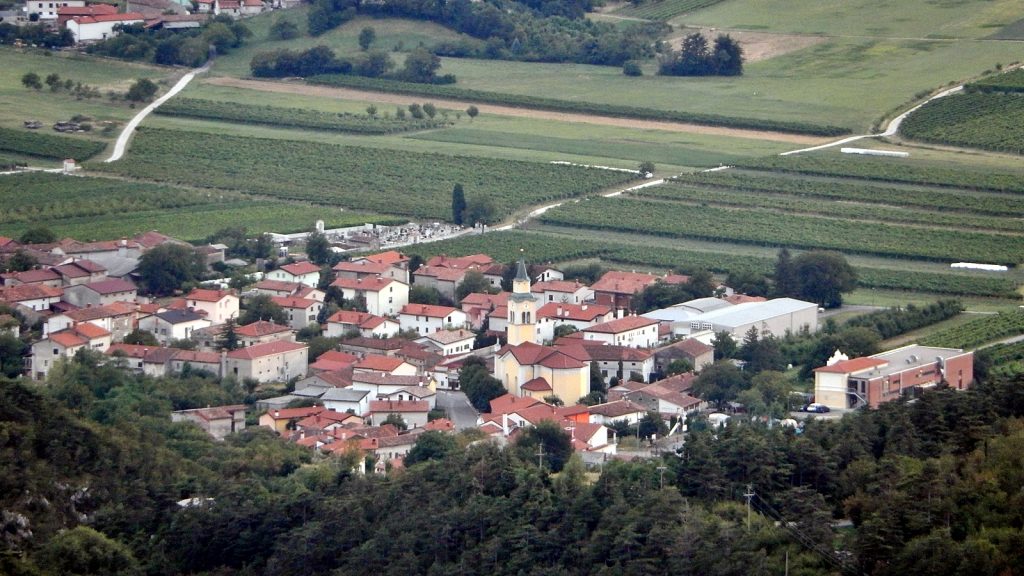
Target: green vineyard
<point>410,184</point>
<point>663,9</point>
<point>293,117</point>
<point>770,228</point>
<point>980,331</point>
<point>47,145</point>
<point>986,120</point>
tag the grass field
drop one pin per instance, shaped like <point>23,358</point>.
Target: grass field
<point>18,103</point>
<point>101,209</point>
<point>904,19</point>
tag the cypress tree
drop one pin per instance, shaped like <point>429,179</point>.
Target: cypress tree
<point>458,204</point>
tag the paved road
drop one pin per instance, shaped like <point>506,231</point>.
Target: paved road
<point>129,129</point>
<point>460,411</point>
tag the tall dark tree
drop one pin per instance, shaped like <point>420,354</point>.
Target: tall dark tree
<point>12,351</point>
<point>318,248</point>
<point>824,277</point>
<point>166,268</point>
<point>478,384</point>
<point>366,37</point>
<point>473,281</point>
<point>720,383</point>
<point>725,345</point>
<point>785,279</point>
<point>37,235</point>
<point>728,56</point>
<point>261,307</point>
<point>549,439</point>
<point>20,261</point>
<point>228,336</point>
<point>458,204</point>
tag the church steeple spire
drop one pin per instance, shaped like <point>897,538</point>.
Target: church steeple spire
<point>522,308</point>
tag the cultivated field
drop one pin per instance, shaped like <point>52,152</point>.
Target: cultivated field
<point>101,208</point>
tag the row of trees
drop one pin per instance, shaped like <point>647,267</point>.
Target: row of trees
<point>697,58</point>
<point>420,65</point>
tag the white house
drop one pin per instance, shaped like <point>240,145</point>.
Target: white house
<point>345,399</point>
<point>449,342</point>
<point>412,412</point>
<point>65,344</point>
<point>383,296</point>
<point>424,318</point>
<point>392,365</point>
<point>219,305</point>
<point>174,324</point>
<point>47,9</point>
<point>301,311</point>
<point>579,316</point>
<point>32,296</point>
<point>368,325</point>
<point>271,362</point>
<point>100,26</point>
<point>117,318</point>
<point>562,291</point>
<point>618,410</point>
<point>379,385</point>
<point>632,331</point>
<point>301,272</point>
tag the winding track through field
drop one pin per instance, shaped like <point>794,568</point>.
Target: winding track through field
<point>129,129</point>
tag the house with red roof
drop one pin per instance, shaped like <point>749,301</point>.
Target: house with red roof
<point>118,318</point>
<point>91,28</point>
<point>697,353</point>
<point>35,297</point>
<point>478,305</point>
<point>667,402</point>
<point>392,264</point>
<point>305,273</point>
<point>383,296</point>
<point>616,288</point>
<point>449,342</point>
<point>218,305</point>
<point>65,13</point>
<point>845,383</point>
<point>390,365</point>
<point>367,325</point>
<point>381,385</point>
<point>48,10</point>
<point>445,273</point>
<point>174,324</point>
<point>579,316</point>
<point>424,318</point>
<point>277,287</point>
<point>100,293</point>
<point>559,374</point>
<point>40,276</point>
<point>617,410</point>
<point>562,291</point>
<point>80,272</point>
<point>217,421</point>
<point>335,361</point>
<point>621,362</point>
<point>412,412</point>
<point>301,311</point>
<point>271,362</point>
<point>65,344</point>
<point>631,331</point>
<point>284,420</point>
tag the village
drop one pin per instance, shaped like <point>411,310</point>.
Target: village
<point>551,349</point>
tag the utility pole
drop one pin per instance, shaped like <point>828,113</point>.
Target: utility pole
<point>661,474</point>
<point>540,455</point>
<point>749,495</point>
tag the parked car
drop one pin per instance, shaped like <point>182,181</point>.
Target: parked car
<point>815,407</point>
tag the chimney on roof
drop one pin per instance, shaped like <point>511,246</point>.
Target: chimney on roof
<point>277,413</point>
<point>504,425</point>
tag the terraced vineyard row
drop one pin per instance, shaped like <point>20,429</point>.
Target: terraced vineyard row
<point>798,204</point>
<point>663,9</point>
<point>293,117</point>
<point>1009,82</point>
<point>387,181</point>
<point>40,197</point>
<point>1005,359</point>
<point>990,121</point>
<point>504,246</point>
<point>980,331</point>
<point>890,170</point>
<point>47,145</point>
<point>766,228</point>
<point>943,199</point>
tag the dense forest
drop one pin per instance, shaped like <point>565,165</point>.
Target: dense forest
<point>191,47</point>
<point>91,470</point>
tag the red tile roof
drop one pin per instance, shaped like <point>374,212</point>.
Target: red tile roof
<point>441,424</point>
<point>278,286</point>
<point>378,406</point>
<point>622,325</point>
<point>23,292</point>
<point>564,286</point>
<point>289,413</point>
<point>617,282</point>
<point>68,339</point>
<point>461,261</point>
<point>128,17</point>
<point>427,310</point>
<point>536,385</point>
<point>90,10</point>
<point>374,284</point>
<point>90,331</point>
<point>441,273</point>
<point>576,312</point>
<point>293,302</point>
<point>852,365</point>
<point>151,239</point>
<point>205,295</point>
<point>379,363</point>
<point>260,328</point>
<point>617,409</point>
<point>508,403</point>
<point>266,349</point>
<point>33,276</point>
<point>361,267</point>
<point>389,257</point>
<point>111,286</point>
<point>300,268</point>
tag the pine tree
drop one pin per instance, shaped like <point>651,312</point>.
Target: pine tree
<point>458,204</point>
<point>228,337</point>
<point>786,282</point>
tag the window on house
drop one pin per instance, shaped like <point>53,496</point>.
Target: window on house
<point>56,351</point>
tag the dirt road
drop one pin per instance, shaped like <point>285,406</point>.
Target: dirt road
<point>401,99</point>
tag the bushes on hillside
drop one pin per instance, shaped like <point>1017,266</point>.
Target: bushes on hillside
<point>696,58</point>
<point>420,66</point>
